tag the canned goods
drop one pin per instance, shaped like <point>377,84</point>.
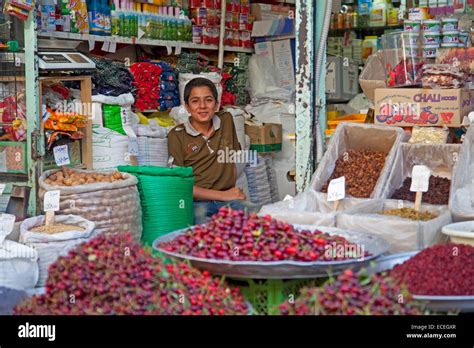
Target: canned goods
<point>243,21</point>
<point>449,24</point>
<point>245,39</point>
<point>430,51</point>
<point>431,25</point>
<point>451,37</point>
<point>412,25</point>
<point>431,38</point>
<point>197,34</point>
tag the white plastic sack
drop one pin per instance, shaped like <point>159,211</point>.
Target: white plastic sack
<point>122,100</point>
<point>109,149</point>
<point>213,76</point>
<point>113,207</point>
<point>179,114</point>
<point>309,208</point>
<point>461,203</point>
<point>18,266</point>
<point>439,158</point>
<point>359,137</point>
<point>51,246</point>
<point>264,80</point>
<point>404,235</point>
<point>152,151</point>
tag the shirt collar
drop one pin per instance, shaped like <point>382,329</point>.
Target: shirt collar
<point>216,123</point>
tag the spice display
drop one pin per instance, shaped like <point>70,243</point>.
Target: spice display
<point>234,235</point>
<point>409,213</point>
<point>112,275</point>
<point>75,178</point>
<point>443,269</point>
<point>353,294</point>
<point>442,76</point>
<point>56,228</point>
<point>429,135</point>
<point>438,194</point>
<point>361,169</point>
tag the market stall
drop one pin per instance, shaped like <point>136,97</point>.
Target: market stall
<point>107,209</point>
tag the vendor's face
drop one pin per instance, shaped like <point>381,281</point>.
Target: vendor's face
<point>201,104</point>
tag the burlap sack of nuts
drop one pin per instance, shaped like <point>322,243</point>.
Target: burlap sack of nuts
<point>461,202</point>
<point>370,152</point>
<point>441,160</point>
<point>114,207</point>
<point>403,235</point>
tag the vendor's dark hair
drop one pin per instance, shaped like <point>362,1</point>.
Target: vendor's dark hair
<point>199,82</point>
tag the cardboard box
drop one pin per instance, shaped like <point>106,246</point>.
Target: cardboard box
<point>265,12</point>
<point>422,107</point>
<point>13,157</point>
<point>266,137</point>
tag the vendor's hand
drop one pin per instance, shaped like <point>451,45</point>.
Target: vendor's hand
<point>233,194</point>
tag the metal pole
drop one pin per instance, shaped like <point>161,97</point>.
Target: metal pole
<point>220,63</point>
<point>34,140</point>
<point>304,91</point>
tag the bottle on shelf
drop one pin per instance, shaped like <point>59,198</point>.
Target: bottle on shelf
<point>378,13</point>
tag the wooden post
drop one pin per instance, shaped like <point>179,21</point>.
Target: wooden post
<point>419,197</point>
<point>49,218</point>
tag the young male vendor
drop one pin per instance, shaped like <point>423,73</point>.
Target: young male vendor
<point>198,142</point>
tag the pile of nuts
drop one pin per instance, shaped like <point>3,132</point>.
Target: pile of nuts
<point>438,194</point>
<point>70,177</point>
<point>111,275</point>
<point>57,228</point>
<point>441,270</point>
<point>353,294</point>
<point>361,170</point>
<point>409,213</point>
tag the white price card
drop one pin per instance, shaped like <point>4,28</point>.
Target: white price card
<point>133,147</point>
<point>91,44</point>
<point>420,179</point>
<point>337,189</point>
<point>7,221</point>
<point>113,47</point>
<point>2,188</point>
<point>61,155</point>
<point>51,200</point>
<point>106,46</point>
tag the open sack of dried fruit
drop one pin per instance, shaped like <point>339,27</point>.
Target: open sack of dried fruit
<point>364,155</point>
<point>54,240</point>
<point>398,223</point>
<point>440,159</point>
<point>461,201</point>
<point>109,199</point>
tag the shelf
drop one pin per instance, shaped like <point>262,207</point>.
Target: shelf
<point>365,29</point>
<point>145,42</point>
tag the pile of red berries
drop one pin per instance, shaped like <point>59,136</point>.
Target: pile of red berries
<point>353,294</point>
<point>441,270</point>
<point>236,236</point>
<point>113,275</point>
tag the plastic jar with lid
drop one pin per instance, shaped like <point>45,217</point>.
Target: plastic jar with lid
<point>369,47</point>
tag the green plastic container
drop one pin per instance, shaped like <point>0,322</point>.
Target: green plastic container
<point>266,295</point>
<point>166,196</point>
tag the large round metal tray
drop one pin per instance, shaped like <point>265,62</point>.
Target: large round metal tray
<point>463,304</point>
<point>284,269</point>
